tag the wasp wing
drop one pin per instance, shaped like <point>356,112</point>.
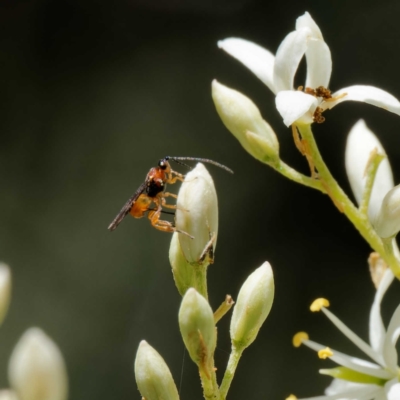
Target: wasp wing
<point>127,207</point>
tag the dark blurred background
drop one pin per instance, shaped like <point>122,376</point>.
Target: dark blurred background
<point>93,93</point>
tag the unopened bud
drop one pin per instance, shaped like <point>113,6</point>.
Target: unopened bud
<point>36,369</point>
<point>243,119</point>
<point>252,307</point>
<point>8,395</point>
<point>361,143</point>
<point>196,322</point>
<point>182,270</point>
<point>197,215</point>
<point>152,375</point>
<point>388,220</point>
<point>5,290</point>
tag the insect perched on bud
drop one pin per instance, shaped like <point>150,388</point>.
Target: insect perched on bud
<point>150,197</point>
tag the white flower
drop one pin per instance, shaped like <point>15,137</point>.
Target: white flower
<point>361,142</point>
<point>278,74</point>
<point>358,379</point>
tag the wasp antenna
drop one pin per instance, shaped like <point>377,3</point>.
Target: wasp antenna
<point>206,160</point>
<point>179,162</point>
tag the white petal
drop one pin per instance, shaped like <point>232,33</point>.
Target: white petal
<point>387,223</point>
<point>352,336</point>
<point>392,334</point>
<point>319,63</point>
<point>367,94</point>
<point>376,328</point>
<point>354,363</point>
<point>305,21</point>
<point>296,106</point>
<point>339,386</point>
<point>340,389</point>
<point>360,143</point>
<point>257,59</point>
<point>288,57</point>
<point>392,389</point>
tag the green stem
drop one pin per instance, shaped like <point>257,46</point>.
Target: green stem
<point>296,176</point>
<point>342,202</point>
<point>388,245</point>
<point>223,308</point>
<point>230,370</point>
<point>200,278</point>
<point>210,386</point>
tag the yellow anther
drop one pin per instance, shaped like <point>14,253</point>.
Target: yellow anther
<point>291,397</point>
<point>325,353</point>
<point>318,304</point>
<point>299,338</point>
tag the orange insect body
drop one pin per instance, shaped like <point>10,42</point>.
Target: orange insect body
<point>156,181</point>
<point>152,191</point>
<point>141,206</point>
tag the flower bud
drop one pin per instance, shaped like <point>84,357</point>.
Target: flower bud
<point>197,215</point>
<point>5,290</point>
<point>252,307</point>
<point>152,375</point>
<point>196,322</point>
<point>183,272</point>
<point>388,219</point>
<point>243,119</point>
<point>360,143</point>
<point>36,368</point>
<point>8,395</point>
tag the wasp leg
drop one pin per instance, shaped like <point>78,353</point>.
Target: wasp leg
<point>161,225</point>
<point>168,194</point>
<point>164,202</point>
<point>209,249</point>
<point>175,176</point>
<point>173,206</point>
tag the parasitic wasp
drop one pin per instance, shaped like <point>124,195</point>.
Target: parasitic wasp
<point>150,197</point>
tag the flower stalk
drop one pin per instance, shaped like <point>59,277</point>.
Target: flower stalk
<point>343,203</point>
<point>233,362</point>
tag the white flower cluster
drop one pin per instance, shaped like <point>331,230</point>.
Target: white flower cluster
<point>369,173</point>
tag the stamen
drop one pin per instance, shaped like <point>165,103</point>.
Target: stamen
<point>299,338</point>
<point>318,304</point>
<point>291,397</point>
<point>323,92</point>
<point>325,353</point>
<point>318,117</point>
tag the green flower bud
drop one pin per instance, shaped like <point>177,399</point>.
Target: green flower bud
<point>197,214</point>
<point>252,307</point>
<point>36,368</point>
<point>5,290</point>
<point>243,119</point>
<point>183,272</point>
<point>152,375</point>
<point>388,220</point>
<point>196,322</point>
